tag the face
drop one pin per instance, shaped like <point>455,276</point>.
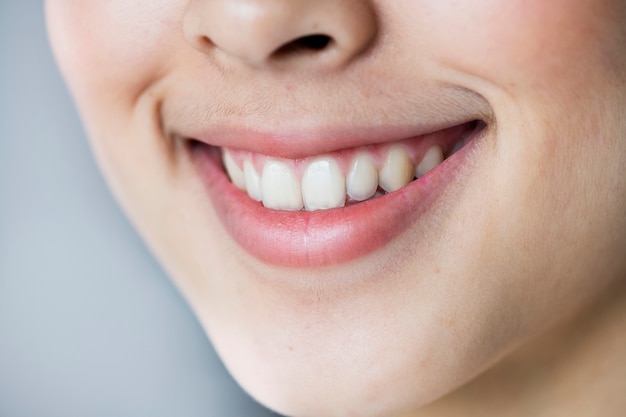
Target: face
<point>350,280</point>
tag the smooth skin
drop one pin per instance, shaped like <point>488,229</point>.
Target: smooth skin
<point>507,299</point>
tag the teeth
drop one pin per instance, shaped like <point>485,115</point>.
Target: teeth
<point>432,158</point>
<point>234,172</point>
<point>280,187</point>
<point>253,181</point>
<point>397,171</point>
<point>362,180</point>
<point>323,185</point>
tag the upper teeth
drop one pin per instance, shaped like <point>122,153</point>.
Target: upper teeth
<point>252,180</point>
<point>323,184</point>
<point>397,171</point>
<point>280,189</point>
<point>362,180</point>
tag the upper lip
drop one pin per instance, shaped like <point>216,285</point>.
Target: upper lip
<point>293,137</point>
<point>305,143</point>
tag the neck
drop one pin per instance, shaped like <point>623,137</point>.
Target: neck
<point>574,369</point>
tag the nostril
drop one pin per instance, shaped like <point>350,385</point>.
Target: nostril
<point>313,42</point>
<point>309,43</point>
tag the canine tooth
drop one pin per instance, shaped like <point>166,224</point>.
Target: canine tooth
<point>253,181</point>
<point>432,158</point>
<point>397,171</point>
<point>362,180</point>
<point>234,172</point>
<point>280,187</point>
<point>323,185</point>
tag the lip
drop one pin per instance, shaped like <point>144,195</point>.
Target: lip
<point>284,131</point>
<point>304,239</point>
<point>315,141</point>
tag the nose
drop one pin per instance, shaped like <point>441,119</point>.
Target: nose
<point>294,33</point>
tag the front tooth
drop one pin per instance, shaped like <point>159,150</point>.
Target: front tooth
<point>397,171</point>
<point>253,181</point>
<point>323,185</point>
<point>280,187</point>
<point>234,172</point>
<point>362,181</point>
<point>432,158</point>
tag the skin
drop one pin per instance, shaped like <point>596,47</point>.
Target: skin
<point>508,298</point>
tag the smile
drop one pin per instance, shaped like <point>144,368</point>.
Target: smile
<point>335,207</point>
<point>341,178</point>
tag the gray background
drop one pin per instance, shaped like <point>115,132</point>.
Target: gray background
<point>89,324</point>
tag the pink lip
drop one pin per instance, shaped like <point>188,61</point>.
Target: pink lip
<point>285,144</point>
<point>304,239</point>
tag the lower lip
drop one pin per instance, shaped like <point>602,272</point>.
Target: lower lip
<point>303,239</point>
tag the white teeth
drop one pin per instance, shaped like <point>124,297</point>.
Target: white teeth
<point>280,187</point>
<point>397,171</point>
<point>362,180</point>
<point>234,172</point>
<point>432,158</point>
<point>253,181</point>
<point>323,185</point>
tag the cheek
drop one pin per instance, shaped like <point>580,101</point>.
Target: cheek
<point>511,43</point>
<point>113,53</point>
<point>112,48</point>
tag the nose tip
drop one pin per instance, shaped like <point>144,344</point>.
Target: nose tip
<point>263,33</point>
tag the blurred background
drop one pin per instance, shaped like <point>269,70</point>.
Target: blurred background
<point>89,324</point>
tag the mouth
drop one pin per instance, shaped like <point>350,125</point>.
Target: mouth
<point>334,207</point>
